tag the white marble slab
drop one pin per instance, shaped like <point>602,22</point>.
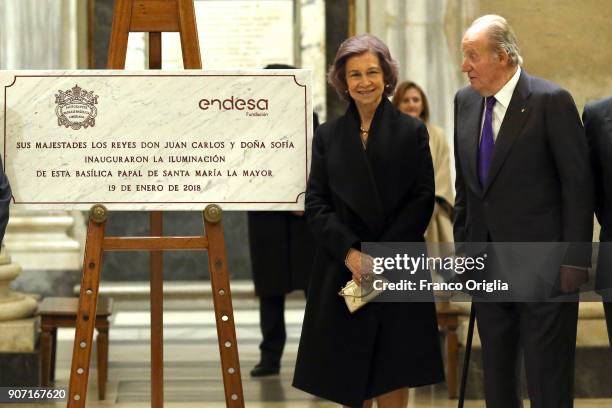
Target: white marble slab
<point>157,140</point>
<point>258,24</point>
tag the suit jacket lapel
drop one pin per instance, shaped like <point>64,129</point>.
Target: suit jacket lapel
<point>468,136</point>
<point>511,127</point>
<point>350,174</point>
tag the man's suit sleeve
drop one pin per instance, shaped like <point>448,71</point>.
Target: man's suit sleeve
<point>571,154</point>
<point>5,199</point>
<point>326,226</point>
<point>592,129</point>
<point>460,204</point>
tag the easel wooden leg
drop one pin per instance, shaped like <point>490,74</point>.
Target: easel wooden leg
<point>452,355</point>
<point>157,316</point>
<point>53,353</point>
<point>224,315</point>
<point>156,277</point>
<point>190,45</point>
<point>86,314</point>
<point>118,44</point>
<point>46,339</point>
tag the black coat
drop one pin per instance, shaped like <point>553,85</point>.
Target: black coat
<point>383,195</point>
<point>597,119</point>
<point>539,187</point>
<point>282,249</point>
<point>5,199</point>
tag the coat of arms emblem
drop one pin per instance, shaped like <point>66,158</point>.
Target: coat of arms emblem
<point>76,108</point>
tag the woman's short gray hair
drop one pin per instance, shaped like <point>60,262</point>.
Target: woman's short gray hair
<point>357,45</point>
<point>501,36</point>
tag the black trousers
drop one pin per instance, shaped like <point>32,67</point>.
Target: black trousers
<point>545,333</point>
<point>272,324</point>
<point>608,310</point>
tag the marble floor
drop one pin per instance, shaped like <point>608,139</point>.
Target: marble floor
<point>192,364</point>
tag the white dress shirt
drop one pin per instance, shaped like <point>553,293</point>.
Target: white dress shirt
<point>503,97</point>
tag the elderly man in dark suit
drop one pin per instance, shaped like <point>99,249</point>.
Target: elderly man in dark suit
<point>523,175</point>
<point>5,199</point>
<point>597,119</point>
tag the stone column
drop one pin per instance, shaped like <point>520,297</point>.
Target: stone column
<point>336,31</point>
<point>17,326</point>
<point>40,243</point>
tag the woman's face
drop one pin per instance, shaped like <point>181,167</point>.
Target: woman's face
<point>365,79</point>
<point>411,103</point>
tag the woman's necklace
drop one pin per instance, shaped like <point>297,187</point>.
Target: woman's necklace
<point>363,133</point>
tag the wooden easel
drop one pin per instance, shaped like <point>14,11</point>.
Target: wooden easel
<point>155,17</point>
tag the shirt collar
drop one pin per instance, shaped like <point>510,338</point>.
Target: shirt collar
<point>505,94</point>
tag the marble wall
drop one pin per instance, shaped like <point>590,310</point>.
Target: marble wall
<point>309,47</point>
<point>312,51</point>
<point>38,34</point>
<point>565,41</point>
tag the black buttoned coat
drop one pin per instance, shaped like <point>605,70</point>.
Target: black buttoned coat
<point>382,194</point>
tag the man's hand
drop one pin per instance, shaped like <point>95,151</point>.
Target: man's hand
<point>571,278</point>
<point>359,264</point>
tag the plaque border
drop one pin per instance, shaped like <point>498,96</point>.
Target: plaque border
<point>76,203</point>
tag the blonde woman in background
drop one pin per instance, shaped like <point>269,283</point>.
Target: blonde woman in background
<point>410,99</point>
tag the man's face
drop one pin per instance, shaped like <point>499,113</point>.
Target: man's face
<point>486,69</point>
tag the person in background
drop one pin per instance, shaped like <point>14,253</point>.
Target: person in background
<point>5,200</point>
<point>371,180</point>
<point>597,117</point>
<point>282,249</point>
<point>410,99</point>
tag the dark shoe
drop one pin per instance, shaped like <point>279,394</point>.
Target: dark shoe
<point>262,370</point>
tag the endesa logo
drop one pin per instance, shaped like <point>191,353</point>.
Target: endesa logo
<point>234,103</point>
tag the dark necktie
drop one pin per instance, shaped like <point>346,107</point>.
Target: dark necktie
<point>487,144</point>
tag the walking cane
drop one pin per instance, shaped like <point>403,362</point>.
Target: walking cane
<point>466,359</point>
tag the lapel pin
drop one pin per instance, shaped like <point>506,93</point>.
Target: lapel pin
<point>522,110</point>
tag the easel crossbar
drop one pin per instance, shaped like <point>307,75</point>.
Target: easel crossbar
<point>154,243</point>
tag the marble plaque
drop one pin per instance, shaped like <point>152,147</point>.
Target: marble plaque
<point>157,140</point>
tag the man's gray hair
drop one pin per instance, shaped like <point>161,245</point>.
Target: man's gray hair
<point>501,36</point>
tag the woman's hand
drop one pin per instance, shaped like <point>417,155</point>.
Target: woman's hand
<point>359,264</point>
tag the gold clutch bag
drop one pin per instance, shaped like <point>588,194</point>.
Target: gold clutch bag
<point>355,296</point>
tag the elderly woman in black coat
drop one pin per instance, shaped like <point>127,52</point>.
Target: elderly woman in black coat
<point>371,180</point>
